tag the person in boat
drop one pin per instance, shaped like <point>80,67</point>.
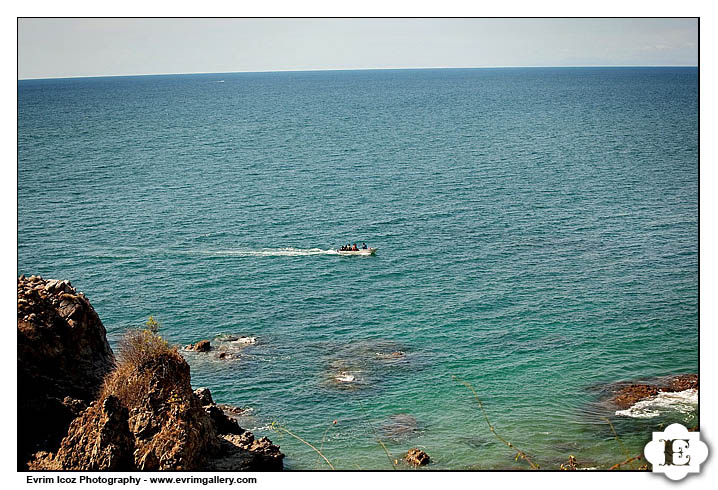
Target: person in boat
<point>354,248</point>
<point>363,246</point>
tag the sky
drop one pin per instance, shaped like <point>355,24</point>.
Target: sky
<point>49,48</point>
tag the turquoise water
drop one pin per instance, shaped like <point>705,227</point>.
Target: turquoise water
<point>537,233</point>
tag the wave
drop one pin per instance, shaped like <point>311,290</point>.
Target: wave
<point>271,252</point>
<point>665,402</point>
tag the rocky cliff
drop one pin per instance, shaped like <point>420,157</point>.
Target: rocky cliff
<point>134,413</point>
<point>62,358</point>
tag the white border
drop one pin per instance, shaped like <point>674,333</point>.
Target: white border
<point>325,8</point>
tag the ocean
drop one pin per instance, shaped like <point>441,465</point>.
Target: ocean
<point>537,235</point>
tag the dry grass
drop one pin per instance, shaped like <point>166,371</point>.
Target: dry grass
<point>141,352</point>
<point>140,346</point>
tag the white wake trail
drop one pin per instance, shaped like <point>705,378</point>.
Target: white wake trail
<point>272,252</point>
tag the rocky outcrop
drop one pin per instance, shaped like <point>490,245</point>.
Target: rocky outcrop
<point>417,457</point>
<point>145,415</point>
<point>222,423</point>
<point>238,447</point>
<point>204,396</point>
<point>171,430</point>
<point>148,418</point>
<point>201,346</point>
<point>626,395</point>
<point>244,452</point>
<point>100,439</point>
<point>63,356</point>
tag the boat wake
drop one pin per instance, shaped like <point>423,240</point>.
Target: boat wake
<point>681,401</point>
<point>272,252</point>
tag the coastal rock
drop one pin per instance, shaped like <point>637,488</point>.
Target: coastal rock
<point>204,396</point>
<point>223,423</point>
<point>63,356</point>
<point>173,429</point>
<point>245,453</point>
<point>166,418</point>
<point>682,383</point>
<point>145,415</point>
<point>99,439</point>
<point>232,409</point>
<point>417,457</point>
<point>628,395</point>
<point>624,396</point>
<point>201,346</point>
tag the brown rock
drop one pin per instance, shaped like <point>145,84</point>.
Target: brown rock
<point>682,383</point>
<point>627,395</point>
<point>243,452</point>
<point>146,415</point>
<point>202,346</point>
<point>99,439</point>
<point>166,418</point>
<point>60,355</point>
<point>417,457</point>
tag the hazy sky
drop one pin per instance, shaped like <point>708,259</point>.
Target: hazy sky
<point>91,47</point>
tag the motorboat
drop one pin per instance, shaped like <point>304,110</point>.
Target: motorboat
<point>361,251</point>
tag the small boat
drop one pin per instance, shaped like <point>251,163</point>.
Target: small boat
<point>365,251</point>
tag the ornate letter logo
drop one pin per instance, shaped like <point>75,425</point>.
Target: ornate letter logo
<point>676,452</point>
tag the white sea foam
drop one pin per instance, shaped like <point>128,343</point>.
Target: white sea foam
<point>345,377</point>
<point>664,402</point>
<point>245,340</point>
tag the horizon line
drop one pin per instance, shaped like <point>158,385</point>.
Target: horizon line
<point>353,69</point>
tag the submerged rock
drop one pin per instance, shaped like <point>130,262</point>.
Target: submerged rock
<point>400,426</point>
<point>391,355</point>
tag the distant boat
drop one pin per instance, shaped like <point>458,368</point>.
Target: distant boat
<point>365,251</point>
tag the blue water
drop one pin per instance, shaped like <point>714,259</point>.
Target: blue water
<point>537,233</point>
